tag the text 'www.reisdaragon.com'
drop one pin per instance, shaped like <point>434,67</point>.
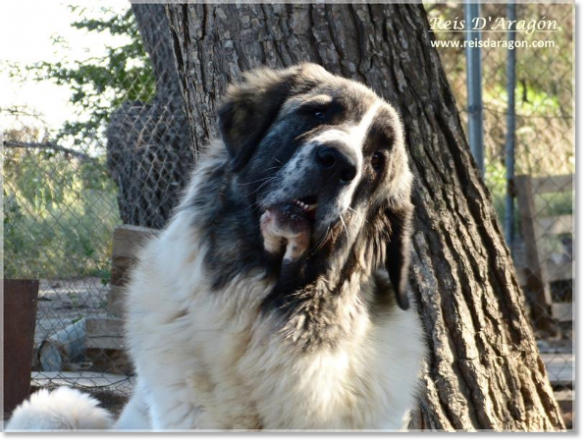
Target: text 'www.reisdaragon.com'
<point>489,43</point>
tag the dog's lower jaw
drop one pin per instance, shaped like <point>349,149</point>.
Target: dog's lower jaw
<point>276,233</point>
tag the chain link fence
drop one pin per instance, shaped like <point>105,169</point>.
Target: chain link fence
<point>62,205</point>
<point>60,211</point>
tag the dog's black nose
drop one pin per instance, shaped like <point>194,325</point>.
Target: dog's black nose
<point>333,163</point>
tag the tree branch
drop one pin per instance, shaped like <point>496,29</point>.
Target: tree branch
<point>49,146</point>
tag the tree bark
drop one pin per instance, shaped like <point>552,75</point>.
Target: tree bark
<point>484,369</point>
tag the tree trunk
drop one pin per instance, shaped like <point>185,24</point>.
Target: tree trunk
<point>484,369</point>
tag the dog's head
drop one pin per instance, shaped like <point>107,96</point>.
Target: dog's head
<point>323,163</point>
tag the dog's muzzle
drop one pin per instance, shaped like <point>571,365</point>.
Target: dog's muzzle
<point>335,167</point>
<point>327,171</point>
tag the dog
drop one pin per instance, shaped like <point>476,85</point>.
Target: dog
<point>277,296</point>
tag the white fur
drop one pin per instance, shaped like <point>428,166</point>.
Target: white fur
<point>208,360</point>
<point>60,410</point>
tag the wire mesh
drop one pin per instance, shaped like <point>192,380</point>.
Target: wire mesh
<point>61,205</point>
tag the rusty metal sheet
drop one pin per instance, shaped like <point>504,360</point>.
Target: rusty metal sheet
<point>20,307</point>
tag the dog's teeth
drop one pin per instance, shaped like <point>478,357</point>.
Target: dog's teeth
<point>304,206</point>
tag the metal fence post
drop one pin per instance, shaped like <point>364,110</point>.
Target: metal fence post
<point>510,140</point>
<point>474,83</point>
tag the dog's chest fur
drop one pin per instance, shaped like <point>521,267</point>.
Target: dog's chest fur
<point>232,364</point>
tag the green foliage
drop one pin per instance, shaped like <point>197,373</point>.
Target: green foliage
<point>546,205</point>
<point>529,99</point>
<point>59,216</point>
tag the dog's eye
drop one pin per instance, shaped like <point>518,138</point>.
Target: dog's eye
<point>320,114</point>
<point>315,112</point>
<point>377,161</point>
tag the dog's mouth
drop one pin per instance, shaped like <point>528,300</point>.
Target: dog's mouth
<point>308,205</point>
<point>295,215</point>
<point>288,226</point>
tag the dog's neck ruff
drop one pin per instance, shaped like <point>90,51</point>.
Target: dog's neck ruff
<point>308,301</point>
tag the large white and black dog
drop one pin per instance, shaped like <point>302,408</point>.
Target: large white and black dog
<point>276,297</point>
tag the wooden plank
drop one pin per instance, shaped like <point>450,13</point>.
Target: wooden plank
<point>560,224</point>
<point>128,240</point>
<point>556,346</point>
<point>120,271</point>
<point>20,307</point>
<point>116,298</point>
<point>553,184</point>
<point>555,272</point>
<point>105,346</point>
<point>521,275</point>
<point>564,395</point>
<point>536,277</point>
<point>562,311</point>
<point>565,399</point>
<point>104,333</point>
<point>560,368</point>
<point>519,259</point>
<point>518,252</point>
<point>561,272</point>
<point>111,361</point>
<point>107,342</point>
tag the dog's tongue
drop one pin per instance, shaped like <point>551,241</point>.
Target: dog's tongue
<point>289,224</point>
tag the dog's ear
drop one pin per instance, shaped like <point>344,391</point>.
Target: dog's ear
<point>398,257</point>
<point>250,107</point>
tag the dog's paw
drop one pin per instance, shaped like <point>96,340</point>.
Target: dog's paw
<point>286,226</point>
